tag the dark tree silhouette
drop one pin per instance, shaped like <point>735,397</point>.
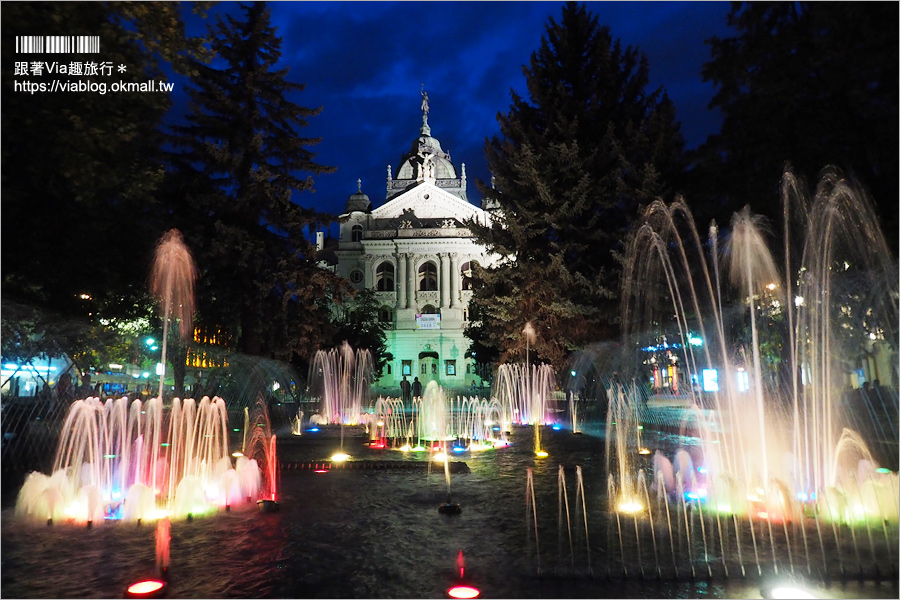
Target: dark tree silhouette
<point>571,168</point>
<point>242,162</point>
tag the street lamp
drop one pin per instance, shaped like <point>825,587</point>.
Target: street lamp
<point>529,337</point>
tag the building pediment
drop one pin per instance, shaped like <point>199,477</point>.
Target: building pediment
<point>428,201</point>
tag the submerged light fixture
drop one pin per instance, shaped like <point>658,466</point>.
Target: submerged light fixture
<point>463,591</point>
<point>460,590</point>
<point>146,588</point>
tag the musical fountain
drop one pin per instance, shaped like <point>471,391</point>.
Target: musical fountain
<point>471,423</point>
<point>341,378</point>
<point>141,460</point>
<point>667,502</point>
<point>774,479</point>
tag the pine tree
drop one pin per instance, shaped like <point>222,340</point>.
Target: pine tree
<point>810,84</point>
<point>240,166</point>
<point>572,167</point>
<point>81,169</point>
<point>81,172</point>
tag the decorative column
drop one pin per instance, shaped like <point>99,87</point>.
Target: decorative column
<point>368,275</point>
<point>445,280</point>
<point>401,280</point>
<point>454,279</point>
<point>410,279</point>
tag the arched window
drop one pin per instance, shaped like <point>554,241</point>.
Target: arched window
<point>386,315</point>
<point>466,271</point>
<point>384,277</point>
<point>356,233</point>
<point>428,310</point>
<point>428,277</point>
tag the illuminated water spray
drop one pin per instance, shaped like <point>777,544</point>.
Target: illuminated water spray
<point>172,282</point>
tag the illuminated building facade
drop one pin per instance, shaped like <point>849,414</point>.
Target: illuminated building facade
<point>416,253</point>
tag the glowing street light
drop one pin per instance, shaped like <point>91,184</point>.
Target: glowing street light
<point>529,337</point>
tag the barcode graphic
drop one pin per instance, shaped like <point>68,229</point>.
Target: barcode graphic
<point>57,44</point>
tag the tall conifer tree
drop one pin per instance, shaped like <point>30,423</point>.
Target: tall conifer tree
<point>81,169</point>
<point>810,84</point>
<point>242,161</point>
<point>571,168</point>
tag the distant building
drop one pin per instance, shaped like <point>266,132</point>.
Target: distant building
<point>417,255</point>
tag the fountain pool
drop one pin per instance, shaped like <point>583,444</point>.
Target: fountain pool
<point>375,533</point>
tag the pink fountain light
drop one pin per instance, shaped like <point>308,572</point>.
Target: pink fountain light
<point>261,448</point>
<point>463,591</point>
<point>132,460</point>
<point>460,590</point>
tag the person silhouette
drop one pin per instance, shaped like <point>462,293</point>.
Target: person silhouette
<point>404,389</point>
<point>417,388</point>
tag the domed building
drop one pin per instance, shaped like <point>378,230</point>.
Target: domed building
<point>415,252</point>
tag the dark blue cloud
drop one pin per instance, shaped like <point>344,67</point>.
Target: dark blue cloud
<point>364,63</point>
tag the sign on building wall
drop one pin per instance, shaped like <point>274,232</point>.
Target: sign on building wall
<point>428,321</point>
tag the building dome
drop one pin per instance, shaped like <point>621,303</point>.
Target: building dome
<point>426,161</point>
<point>358,202</point>
<point>426,146</point>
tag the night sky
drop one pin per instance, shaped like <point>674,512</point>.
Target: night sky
<point>364,63</point>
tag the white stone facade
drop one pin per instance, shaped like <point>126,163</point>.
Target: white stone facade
<point>415,252</point>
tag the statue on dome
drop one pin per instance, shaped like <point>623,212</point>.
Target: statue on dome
<point>424,100</point>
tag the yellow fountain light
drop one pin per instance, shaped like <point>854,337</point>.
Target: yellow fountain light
<point>630,506</point>
<point>789,592</point>
<point>405,448</point>
<point>380,423</point>
<point>644,451</point>
<point>440,457</point>
<point>237,453</point>
<point>339,457</point>
<point>200,510</point>
<point>541,454</point>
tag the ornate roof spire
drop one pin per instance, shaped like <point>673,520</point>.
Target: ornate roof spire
<point>358,185</point>
<point>426,130</point>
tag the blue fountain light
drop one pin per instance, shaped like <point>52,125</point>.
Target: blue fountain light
<point>698,495</point>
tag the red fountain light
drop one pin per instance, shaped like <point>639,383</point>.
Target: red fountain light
<point>463,591</point>
<point>272,459</point>
<point>148,588</point>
